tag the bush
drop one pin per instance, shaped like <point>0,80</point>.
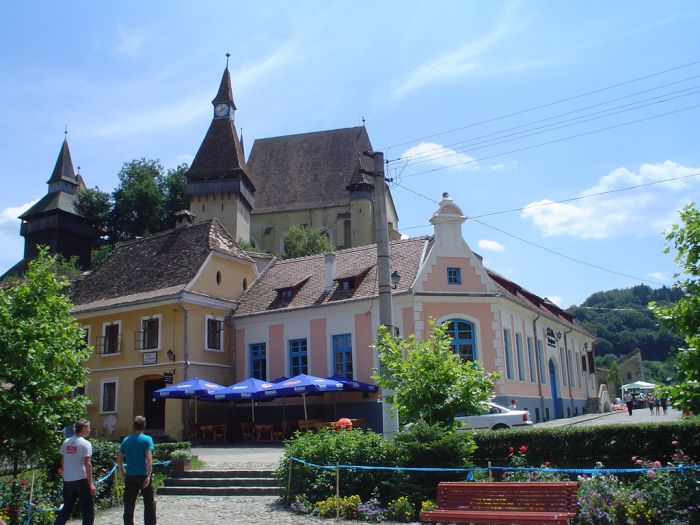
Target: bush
<point>400,509</point>
<point>328,447</point>
<point>436,446</point>
<point>164,450</point>
<point>583,447</point>
<point>346,507</point>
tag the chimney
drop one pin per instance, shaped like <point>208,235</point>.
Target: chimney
<point>184,218</point>
<point>329,271</point>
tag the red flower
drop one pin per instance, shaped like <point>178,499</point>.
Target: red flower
<point>10,480</point>
<point>523,449</point>
<point>7,507</point>
<point>24,482</point>
<point>510,450</point>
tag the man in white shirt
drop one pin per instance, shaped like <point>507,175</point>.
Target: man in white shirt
<point>78,482</point>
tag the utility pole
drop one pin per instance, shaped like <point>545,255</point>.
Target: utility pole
<point>390,418</point>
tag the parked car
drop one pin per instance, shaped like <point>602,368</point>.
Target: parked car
<point>495,418</point>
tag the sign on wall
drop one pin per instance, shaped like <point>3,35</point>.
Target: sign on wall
<point>168,378</point>
<point>551,338</point>
<point>150,358</point>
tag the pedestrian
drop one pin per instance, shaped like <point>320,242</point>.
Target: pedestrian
<point>76,467</point>
<point>137,449</point>
<point>514,404</point>
<point>657,405</point>
<point>664,405</point>
<point>629,401</point>
<point>650,403</point>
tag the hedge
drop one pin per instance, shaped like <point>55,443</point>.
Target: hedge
<point>583,447</point>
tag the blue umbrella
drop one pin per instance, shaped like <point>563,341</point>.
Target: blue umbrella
<point>250,388</point>
<point>191,388</point>
<point>350,384</point>
<point>303,384</point>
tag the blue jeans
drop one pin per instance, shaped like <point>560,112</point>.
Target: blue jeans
<point>73,491</point>
<point>132,486</point>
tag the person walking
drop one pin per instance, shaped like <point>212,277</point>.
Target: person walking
<point>629,401</point>
<point>137,449</point>
<point>664,405</point>
<point>657,405</point>
<point>650,403</point>
<point>76,467</point>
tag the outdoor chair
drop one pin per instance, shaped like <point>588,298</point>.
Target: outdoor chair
<point>247,431</point>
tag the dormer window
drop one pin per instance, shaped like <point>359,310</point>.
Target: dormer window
<point>346,284</point>
<point>350,281</point>
<point>286,293</point>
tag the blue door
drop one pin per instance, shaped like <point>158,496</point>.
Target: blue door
<point>556,401</point>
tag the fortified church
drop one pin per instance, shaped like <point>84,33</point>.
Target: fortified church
<point>189,302</point>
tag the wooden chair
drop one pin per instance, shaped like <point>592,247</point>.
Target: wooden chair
<point>247,431</point>
<point>279,431</point>
<point>218,432</point>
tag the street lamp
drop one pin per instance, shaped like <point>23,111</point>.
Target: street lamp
<point>395,278</point>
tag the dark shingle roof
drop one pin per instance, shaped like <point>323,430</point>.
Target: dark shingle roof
<point>262,296</point>
<point>309,170</point>
<point>166,260</point>
<point>225,93</point>
<point>63,170</point>
<point>57,200</point>
<point>220,154</point>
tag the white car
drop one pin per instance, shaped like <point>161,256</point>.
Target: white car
<point>495,418</point>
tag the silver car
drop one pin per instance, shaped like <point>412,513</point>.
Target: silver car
<point>495,418</point>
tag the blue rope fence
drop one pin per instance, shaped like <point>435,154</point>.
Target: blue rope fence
<point>33,507</point>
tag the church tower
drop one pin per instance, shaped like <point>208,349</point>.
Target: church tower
<point>218,185</point>
<point>55,222</point>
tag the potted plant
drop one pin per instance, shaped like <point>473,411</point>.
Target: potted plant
<point>180,460</point>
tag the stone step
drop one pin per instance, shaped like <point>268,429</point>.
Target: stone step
<point>222,482</point>
<point>226,474</point>
<point>219,491</point>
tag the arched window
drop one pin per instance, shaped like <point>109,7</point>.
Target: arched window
<point>463,338</point>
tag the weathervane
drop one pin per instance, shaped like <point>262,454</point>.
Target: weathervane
<point>227,55</point>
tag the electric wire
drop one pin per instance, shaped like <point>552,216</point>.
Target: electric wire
<point>549,104</point>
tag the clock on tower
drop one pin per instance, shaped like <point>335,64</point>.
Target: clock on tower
<point>221,110</point>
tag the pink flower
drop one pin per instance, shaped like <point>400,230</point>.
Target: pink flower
<point>657,464</point>
<point>634,458</point>
<point>523,449</point>
<point>510,450</point>
<point>674,443</point>
<point>639,462</point>
<point>546,463</point>
<point>24,482</point>
<point>676,456</point>
<point>651,474</point>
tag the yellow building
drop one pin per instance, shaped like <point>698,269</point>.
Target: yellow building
<point>158,306</point>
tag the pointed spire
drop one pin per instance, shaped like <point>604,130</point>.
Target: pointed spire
<point>242,145</point>
<point>63,171</point>
<point>225,94</point>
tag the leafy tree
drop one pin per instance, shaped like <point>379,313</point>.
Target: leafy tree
<point>139,202</point>
<point>300,242</point>
<point>428,379</point>
<point>684,316</point>
<point>614,378</point>
<point>174,187</point>
<point>95,205</point>
<point>42,353</point>
<point>246,245</point>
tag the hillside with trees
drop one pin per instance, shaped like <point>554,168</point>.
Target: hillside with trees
<point>622,320</point>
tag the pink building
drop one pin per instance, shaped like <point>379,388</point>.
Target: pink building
<point>319,315</point>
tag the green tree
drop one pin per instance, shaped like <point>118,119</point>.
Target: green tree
<point>428,380</point>
<point>300,242</point>
<point>42,353</point>
<point>139,201</point>
<point>614,378</point>
<point>174,187</point>
<point>95,205</point>
<point>683,317</point>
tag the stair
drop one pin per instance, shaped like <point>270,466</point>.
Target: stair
<point>222,483</point>
<point>592,405</point>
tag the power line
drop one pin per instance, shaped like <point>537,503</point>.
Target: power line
<point>554,141</point>
<point>542,106</point>
<point>469,145</point>
<point>574,259</point>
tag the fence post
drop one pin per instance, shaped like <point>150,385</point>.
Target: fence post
<point>490,473</point>
<point>337,492</point>
<point>289,481</point>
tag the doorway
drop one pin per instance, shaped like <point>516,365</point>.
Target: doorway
<point>556,400</point>
<point>153,409</point>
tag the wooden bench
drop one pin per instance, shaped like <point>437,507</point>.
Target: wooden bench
<point>504,502</point>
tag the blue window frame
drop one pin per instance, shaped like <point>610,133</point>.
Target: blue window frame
<point>454,276</point>
<point>540,368</point>
<point>519,356</point>
<point>509,353</point>
<point>258,361</point>
<point>342,355</point>
<point>463,338</point>
<point>531,359</point>
<point>298,357</point>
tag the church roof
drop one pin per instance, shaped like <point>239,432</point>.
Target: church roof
<point>154,266</point>
<point>63,170</point>
<point>57,200</point>
<point>225,93</point>
<point>221,155</point>
<point>308,170</point>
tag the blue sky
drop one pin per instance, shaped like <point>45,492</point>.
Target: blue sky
<point>448,88</point>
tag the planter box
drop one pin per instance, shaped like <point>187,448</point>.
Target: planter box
<point>181,465</point>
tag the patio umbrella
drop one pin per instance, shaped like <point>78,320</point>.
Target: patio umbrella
<point>350,384</point>
<point>303,384</point>
<point>189,389</point>
<point>250,388</point>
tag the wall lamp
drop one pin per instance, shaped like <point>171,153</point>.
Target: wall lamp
<point>395,278</point>
<point>171,355</point>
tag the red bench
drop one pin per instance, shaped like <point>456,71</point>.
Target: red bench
<point>504,502</point>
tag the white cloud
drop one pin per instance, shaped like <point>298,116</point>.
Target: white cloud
<point>430,152</point>
<point>493,246</point>
<point>642,211</point>
<point>660,276</point>
<point>10,240</point>
<point>457,63</point>
<point>130,42</point>
<point>555,299</point>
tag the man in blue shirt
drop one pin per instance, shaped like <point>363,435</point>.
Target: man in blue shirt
<point>137,449</point>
